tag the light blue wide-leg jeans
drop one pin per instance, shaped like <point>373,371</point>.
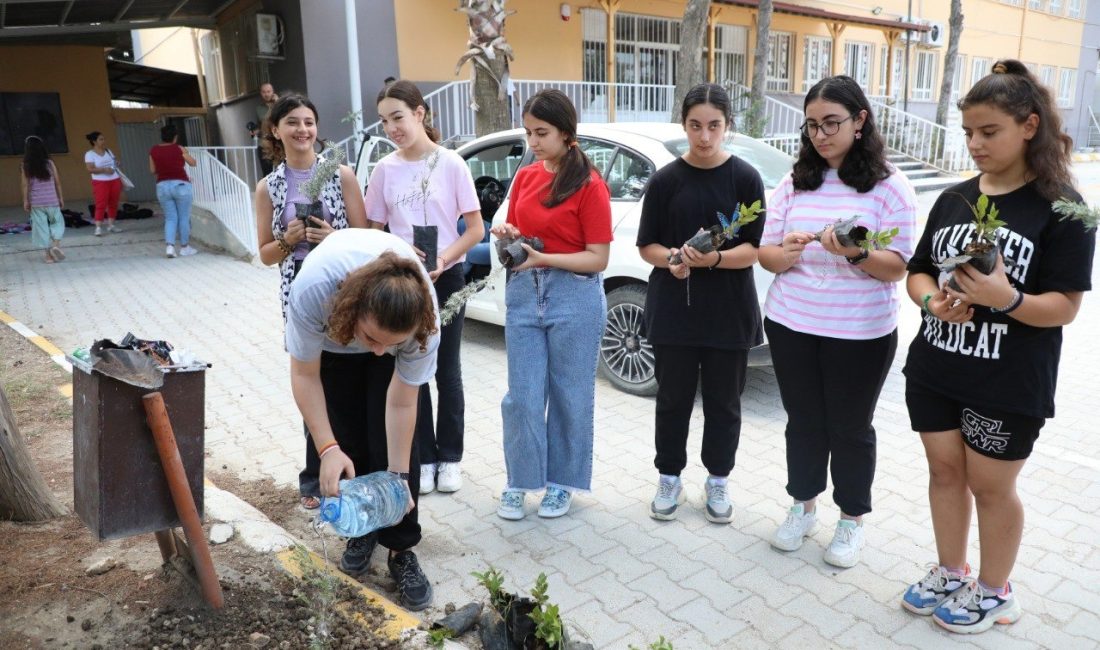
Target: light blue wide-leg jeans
<point>175,199</point>
<point>552,332</point>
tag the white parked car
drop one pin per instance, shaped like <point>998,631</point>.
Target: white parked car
<point>626,154</point>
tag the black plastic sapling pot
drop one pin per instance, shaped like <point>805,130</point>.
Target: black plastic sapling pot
<point>847,232</point>
<point>304,210</point>
<point>511,253</point>
<point>711,239</point>
<point>981,252</point>
<point>426,239</point>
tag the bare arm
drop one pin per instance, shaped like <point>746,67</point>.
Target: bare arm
<point>353,198</point>
<point>57,185</point>
<point>593,259</point>
<point>152,166</point>
<point>309,394</point>
<point>24,186</point>
<point>778,258</point>
<point>940,305</point>
<point>1049,309</point>
<point>401,401</point>
<point>475,230</point>
<point>188,158</point>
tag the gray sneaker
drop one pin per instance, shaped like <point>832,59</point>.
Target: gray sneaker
<point>670,494</point>
<point>719,510</point>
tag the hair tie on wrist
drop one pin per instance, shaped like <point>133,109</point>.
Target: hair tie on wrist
<point>327,448</point>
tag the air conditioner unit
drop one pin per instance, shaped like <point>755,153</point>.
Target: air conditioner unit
<point>269,36</point>
<point>936,36</point>
<point>909,36</point>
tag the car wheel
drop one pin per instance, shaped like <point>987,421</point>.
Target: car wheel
<point>626,358</point>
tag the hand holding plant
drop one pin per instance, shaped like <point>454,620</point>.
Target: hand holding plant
<point>711,239</point>
<point>981,252</point>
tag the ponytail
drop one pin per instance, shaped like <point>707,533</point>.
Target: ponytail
<point>1012,89</point>
<point>575,169</point>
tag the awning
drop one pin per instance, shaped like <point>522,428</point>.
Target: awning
<point>155,86</point>
<point>832,16</point>
<point>38,18</point>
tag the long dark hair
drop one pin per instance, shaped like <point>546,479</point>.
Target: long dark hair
<point>93,136</point>
<point>407,92</point>
<point>1013,90</point>
<point>272,148</point>
<point>575,169</point>
<point>36,160</point>
<point>865,164</point>
<point>711,94</point>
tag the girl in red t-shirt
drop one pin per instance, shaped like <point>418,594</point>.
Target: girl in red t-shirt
<point>556,312</point>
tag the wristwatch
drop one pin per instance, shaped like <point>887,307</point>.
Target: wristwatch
<point>402,475</point>
<point>858,259</point>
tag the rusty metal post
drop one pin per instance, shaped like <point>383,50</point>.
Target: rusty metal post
<point>181,495</point>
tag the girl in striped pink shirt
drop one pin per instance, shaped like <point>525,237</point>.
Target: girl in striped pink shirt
<point>831,313</point>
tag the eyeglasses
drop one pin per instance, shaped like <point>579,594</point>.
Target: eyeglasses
<point>828,127</point>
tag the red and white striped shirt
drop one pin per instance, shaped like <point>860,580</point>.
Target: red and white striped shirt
<point>822,294</point>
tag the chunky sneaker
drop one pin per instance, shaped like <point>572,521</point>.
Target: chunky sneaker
<point>511,505</point>
<point>427,478</point>
<point>795,528</point>
<point>98,230</point>
<point>670,494</point>
<point>450,477</point>
<point>847,542</point>
<point>718,510</point>
<point>356,556</point>
<point>933,589</point>
<point>973,609</point>
<point>170,251</point>
<point>413,588</point>
<point>555,502</point>
<point>188,251</point>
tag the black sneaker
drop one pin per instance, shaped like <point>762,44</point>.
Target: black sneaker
<point>413,587</point>
<point>356,556</point>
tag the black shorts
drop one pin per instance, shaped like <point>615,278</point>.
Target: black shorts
<point>989,431</point>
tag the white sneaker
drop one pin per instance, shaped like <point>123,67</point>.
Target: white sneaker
<point>718,510</point>
<point>670,494</point>
<point>187,251</point>
<point>511,505</point>
<point>450,477</point>
<point>113,228</point>
<point>98,230</point>
<point>795,528</point>
<point>427,478</point>
<point>170,251</point>
<point>848,541</point>
<point>555,502</point>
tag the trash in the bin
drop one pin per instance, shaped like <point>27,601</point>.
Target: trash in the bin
<point>129,366</point>
<point>160,350</point>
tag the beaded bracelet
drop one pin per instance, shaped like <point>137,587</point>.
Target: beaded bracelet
<point>1013,304</point>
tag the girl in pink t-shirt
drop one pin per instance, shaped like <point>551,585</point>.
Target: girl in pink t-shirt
<point>42,198</point>
<point>422,184</point>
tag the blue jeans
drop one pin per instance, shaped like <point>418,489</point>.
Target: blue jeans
<point>175,199</point>
<point>552,332</point>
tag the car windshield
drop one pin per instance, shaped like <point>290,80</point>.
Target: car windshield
<point>772,163</point>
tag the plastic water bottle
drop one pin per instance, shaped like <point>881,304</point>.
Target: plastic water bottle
<point>366,503</point>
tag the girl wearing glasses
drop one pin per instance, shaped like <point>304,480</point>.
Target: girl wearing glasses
<point>831,313</point>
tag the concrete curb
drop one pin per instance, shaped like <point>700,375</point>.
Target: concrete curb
<point>252,526</point>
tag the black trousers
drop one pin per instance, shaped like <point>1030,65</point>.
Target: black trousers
<point>679,370</point>
<point>265,165</point>
<point>441,440</point>
<point>829,389</point>
<point>355,393</point>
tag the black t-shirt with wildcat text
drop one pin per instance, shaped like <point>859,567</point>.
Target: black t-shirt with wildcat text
<point>724,312</point>
<point>995,360</point>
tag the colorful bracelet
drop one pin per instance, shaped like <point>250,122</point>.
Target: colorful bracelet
<point>924,303</point>
<point>327,447</point>
<point>283,246</point>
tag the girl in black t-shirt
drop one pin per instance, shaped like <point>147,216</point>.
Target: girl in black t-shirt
<point>702,315</point>
<point>980,376</point>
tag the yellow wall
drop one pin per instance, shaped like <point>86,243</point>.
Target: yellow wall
<point>79,74</point>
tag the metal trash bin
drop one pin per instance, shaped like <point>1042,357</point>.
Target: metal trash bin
<point>118,480</point>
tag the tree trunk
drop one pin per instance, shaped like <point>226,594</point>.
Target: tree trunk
<point>954,33</point>
<point>24,494</point>
<point>755,117</point>
<point>689,58</point>
<point>492,111</point>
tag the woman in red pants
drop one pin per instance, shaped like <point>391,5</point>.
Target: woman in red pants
<point>106,182</point>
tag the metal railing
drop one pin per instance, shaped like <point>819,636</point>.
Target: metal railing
<point>242,161</point>
<point>1094,130</point>
<point>219,189</point>
<point>921,139</point>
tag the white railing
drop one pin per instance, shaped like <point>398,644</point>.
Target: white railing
<point>1094,130</point>
<point>781,120</point>
<point>921,139</point>
<point>242,161</point>
<point>226,195</point>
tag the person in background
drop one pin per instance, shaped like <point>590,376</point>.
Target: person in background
<point>106,183</point>
<point>42,198</point>
<point>423,183</point>
<point>174,191</point>
<point>267,101</point>
<point>556,312</point>
<point>284,238</point>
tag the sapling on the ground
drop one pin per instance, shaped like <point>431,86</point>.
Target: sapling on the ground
<point>711,239</point>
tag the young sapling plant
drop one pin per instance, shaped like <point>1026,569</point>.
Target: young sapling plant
<point>1077,212</point>
<point>849,234</point>
<point>325,168</point>
<point>981,251</point>
<point>426,237</point>
<point>711,239</point>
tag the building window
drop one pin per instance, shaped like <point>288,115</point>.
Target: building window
<point>594,26</point>
<point>1046,76</point>
<point>1014,3</point>
<point>779,62</point>
<point>730,54</point>
<point>228,62</point>
<point>1066,82</point>
<point>857,62</point>
<point>1074,9</point>
<point>1055,7</point>
<point>1036,5</point>
<point>899,64</point>
<point>960,76</point>
<point>817,60</point>
<point>925,77</point>
<point>979,69</point>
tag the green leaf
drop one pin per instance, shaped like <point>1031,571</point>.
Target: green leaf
<point>983,203</point>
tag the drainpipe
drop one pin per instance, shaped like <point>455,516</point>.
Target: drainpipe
<point>353,75</point>
<point>908,44</point>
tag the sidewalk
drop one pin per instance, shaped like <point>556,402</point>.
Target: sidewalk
<point>619,577</point>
